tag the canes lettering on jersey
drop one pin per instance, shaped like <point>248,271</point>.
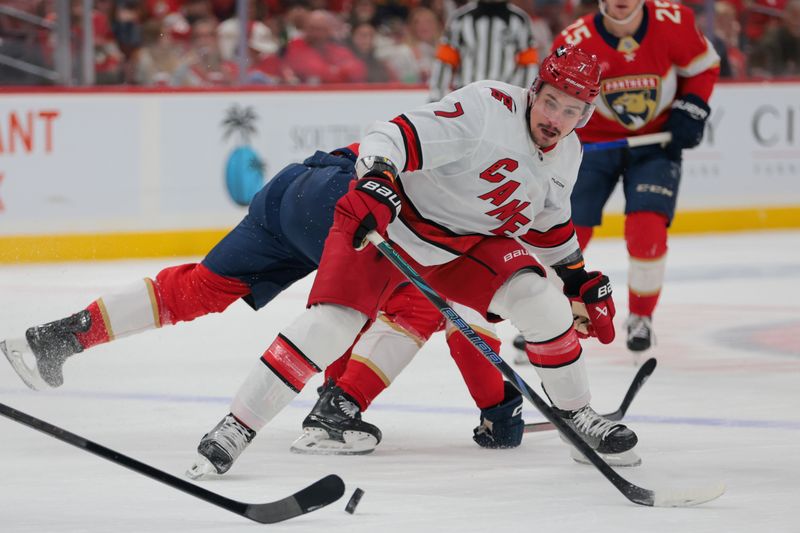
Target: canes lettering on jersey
<point>483,161</point>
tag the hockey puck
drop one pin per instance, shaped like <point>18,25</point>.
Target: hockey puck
<point>354,499</point>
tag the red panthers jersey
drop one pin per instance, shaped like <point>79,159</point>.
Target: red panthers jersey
<point>641,75</point>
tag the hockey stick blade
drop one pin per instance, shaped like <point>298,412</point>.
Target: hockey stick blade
<point>634,493</point>
<point>638,380</point>
<point>317,495</point>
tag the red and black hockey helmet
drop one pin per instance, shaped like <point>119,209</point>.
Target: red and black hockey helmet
<point>573,71</point>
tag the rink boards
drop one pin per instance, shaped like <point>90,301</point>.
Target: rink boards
<point>93,174</point>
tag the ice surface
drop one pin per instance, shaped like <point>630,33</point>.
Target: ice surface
<point>721,406</point>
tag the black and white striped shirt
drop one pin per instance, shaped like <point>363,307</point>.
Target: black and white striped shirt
<point>484,40</point>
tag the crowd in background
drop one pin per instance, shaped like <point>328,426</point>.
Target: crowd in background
<point>194,42</point>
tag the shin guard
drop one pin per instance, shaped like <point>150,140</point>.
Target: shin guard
<point>561,369</point>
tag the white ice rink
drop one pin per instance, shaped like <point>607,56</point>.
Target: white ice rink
<point>721,406</point>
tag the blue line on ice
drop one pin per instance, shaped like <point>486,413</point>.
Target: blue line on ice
<point>405,408</point>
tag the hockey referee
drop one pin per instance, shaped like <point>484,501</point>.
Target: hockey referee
<point>487,39</point>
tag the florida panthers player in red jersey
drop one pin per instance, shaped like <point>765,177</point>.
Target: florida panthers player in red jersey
<point>658,72</point>
<point>468,189</point>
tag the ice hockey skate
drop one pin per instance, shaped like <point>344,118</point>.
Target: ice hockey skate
<point>640,332</point>
<point>334,427</point>
<point>39,358</point>
<point>220,447</point>
<point>613,441</point>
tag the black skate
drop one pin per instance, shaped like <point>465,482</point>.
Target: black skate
<point>49,345</point>
<point>334,427</point>
<point>612,440</point>
<point>220,447</point>
<point>640,332</point>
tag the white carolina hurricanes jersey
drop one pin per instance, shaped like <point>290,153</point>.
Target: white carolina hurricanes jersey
<point>469,168</point>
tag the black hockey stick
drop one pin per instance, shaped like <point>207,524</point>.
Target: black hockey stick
<point>638,380</point>
<point>636,494</point>
<point>319,494</point>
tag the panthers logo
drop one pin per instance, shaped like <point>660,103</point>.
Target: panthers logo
<point>632,99</point>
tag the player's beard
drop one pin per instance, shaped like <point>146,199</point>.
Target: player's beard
<point>547,135</point>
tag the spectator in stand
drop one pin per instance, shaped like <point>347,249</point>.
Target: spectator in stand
<point>317,58</point>
<point>223,9</point>
<point>393,9</point>
<point>726,38</point>
<point>126,23</point>
<point>294,20</point>
<point>194,10</point>
<point>362,43</point>
<point>110,64</point>
<point>108,58</point>
<point>393,47</point>
<point>206,67</point>
<point>424,32</point>
<point>259,36</point>
<point>263,68</point>
<point>760,17</point>
<point>553,13</point>
<point>158,9</point>
<point>160,61</point>
<point>778,52</point>
<point>363,11</point>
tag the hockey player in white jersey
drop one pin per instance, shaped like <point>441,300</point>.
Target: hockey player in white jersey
<point>468,189</point>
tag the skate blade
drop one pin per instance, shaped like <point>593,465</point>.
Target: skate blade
<point>316,441</point>
<point>626,459</point>
<point>201,469</point>
<point>16,351</point>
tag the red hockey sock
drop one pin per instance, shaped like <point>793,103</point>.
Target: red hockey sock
<point>98,332</point>
<point>361,383</point>
<point>646,238</point>
<point>335,370</point>
<point>642,305</point>
<point>484,381</point>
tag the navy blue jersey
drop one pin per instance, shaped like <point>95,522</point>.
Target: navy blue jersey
<point>280,240</point>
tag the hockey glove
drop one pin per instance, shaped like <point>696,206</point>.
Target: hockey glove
<point>593,309</point>
<point>370,205</point>
<point>686,122</point>
<point>502,425</point>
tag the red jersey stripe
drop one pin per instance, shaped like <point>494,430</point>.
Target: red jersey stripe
<point>411,142</point>
<point>555,236</point>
